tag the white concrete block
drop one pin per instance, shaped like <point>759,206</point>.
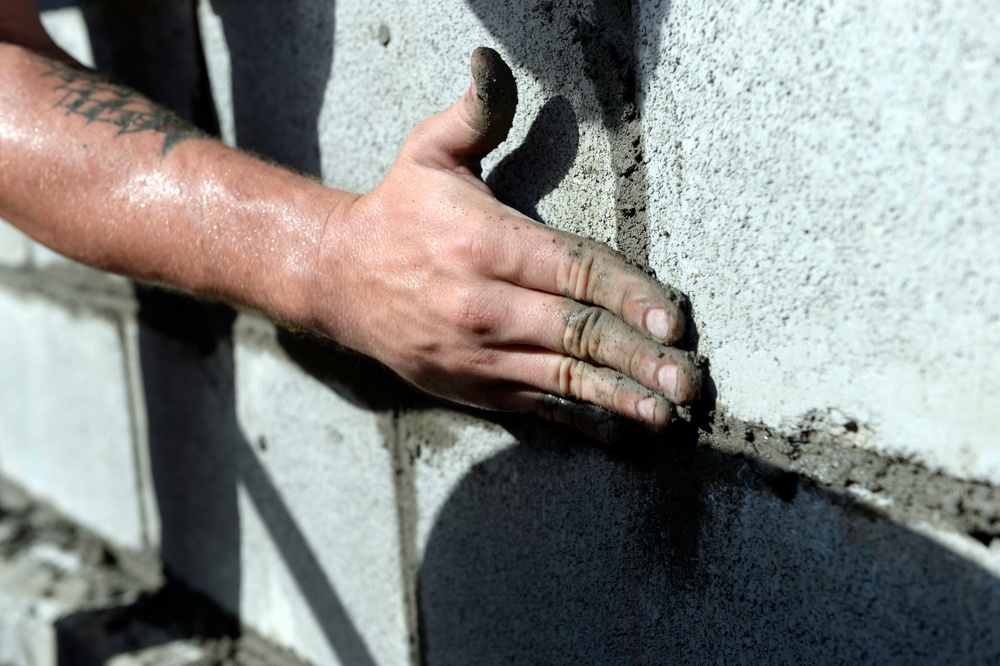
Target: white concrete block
<point>549,552</point>
<point>319,537</point>
<point>73,271</point>
<point>219,69</point>
<point>175,653</point>
<point>448,446</point>
<point>560,176</point>
<point>68,30</point>
<point>65,421</point>
<point>15,247</point>
<point>28,613</point>
<point>833,185</point>
<point>277,498</point>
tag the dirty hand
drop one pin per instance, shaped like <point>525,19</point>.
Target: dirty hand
<point>471,301</point>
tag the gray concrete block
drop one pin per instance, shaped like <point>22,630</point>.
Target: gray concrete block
<point>553,165</point>
<point>65,415</point>
<point>275,487</point>
<point>545,550</point>
<point>176,653</point>
<point>342,109</point>
<point>829,183</point>
<point>68,29</point>
<point>331,476</point>
<point>72,272</point>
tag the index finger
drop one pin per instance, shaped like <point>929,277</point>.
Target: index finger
<point>531,255</point>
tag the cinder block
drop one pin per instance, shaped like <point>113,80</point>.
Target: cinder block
<point>73,272</point>
<point>65,414</point>
<point>318,502</point>
<point>824,198</point>
<point>67,28</point>
<point>546,550</point>
<point>275,487</point>
<point>343,116</point>
<point>15,247</point>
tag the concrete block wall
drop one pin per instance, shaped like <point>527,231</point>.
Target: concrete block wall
<point>66,409</point>
<point>821,179</point>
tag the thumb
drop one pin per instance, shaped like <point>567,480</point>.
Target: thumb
<point>478,122</point>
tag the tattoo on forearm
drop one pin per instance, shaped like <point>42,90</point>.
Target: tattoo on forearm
<point>97,100</point>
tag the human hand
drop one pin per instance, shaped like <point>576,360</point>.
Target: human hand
<point>471,301</point>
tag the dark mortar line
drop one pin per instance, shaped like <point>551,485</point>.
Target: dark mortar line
<point>405,492</point>
<point>132,368</point>
<point>818,457</point>
<point>73,291</point>
<point>819,454</point>
<point>611,68</point>
<point>631,192</point>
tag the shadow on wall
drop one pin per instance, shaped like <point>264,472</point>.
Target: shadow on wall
<point>569,556</point>
<point>586,51</point>
<point>539,164</point>
<point>552,551</point>
<point>281,54</point>
<point>199,455</point>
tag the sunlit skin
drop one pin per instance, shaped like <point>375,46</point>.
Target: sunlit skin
<point>464,297</point>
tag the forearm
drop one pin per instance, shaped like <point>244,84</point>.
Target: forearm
<point>102,175</point>
<point>461,295</point>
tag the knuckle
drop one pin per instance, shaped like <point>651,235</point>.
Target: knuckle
<point>641,364</point>
<point>584,332</point>
<point>480,250</point>
<point>619,399</point>
<point>420,135</point>
<point>579,275</point>
<point>479,314</point>
<point>570,377</point>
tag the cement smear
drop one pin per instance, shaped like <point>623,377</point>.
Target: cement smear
<point>832,455</point>
<point>609,58</point>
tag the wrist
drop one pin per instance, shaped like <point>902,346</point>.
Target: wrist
<point>311,289</point>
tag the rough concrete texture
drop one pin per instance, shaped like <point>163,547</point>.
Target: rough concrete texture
<point>696,559</point>
<point>829,181</point>
<point>819,179</point>
<point>356,98</point>
<point>275,488</point>
<point>729,544</point>
<point>325,527</point>
<point>54,423</point>
<point>69,599</point>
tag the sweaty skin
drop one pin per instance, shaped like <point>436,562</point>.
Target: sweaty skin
<point>464,297</point>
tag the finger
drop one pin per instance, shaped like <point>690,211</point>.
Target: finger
<point>593,421</point>
<point>591,333</point>
<point>567,377</point>
<point>526,253</point>
<point>478,122</point>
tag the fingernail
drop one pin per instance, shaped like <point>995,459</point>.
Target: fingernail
<point>657,323</point>
<point>647,409</point>
<point>666,377</point>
